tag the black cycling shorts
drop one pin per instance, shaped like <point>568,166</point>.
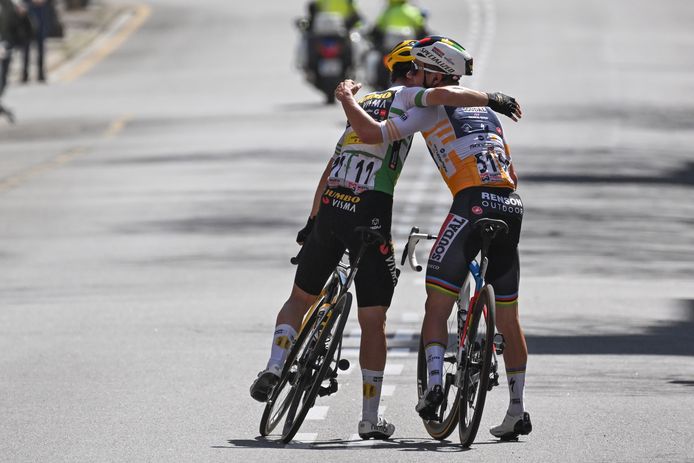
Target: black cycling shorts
<point>342,210</point>
<point>456,245</point>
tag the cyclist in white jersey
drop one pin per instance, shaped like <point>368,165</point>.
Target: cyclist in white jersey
<point>473,158</point>
<point>356,189</point>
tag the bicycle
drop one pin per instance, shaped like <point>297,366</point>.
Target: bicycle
<point>315,356</point>
<point>470,362</point>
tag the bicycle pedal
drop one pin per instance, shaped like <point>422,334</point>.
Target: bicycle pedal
<point>499,343</point>
<point>328,390</point>
<point>343,364</point>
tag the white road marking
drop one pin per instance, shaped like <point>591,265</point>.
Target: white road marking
<point>318,412</point>
<point>303,438</point>
<point>405,334</point>
<point>387,390</point>
<point>356,441</point>
<point>393,369</point>
<point>412,317</point>
<point>400,352</point>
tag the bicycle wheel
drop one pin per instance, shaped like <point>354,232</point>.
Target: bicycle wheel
<point>448,411</point>
<point>277,405</point>
<point>282,395</point>
<point>479,344</point>
<point>318,363</point>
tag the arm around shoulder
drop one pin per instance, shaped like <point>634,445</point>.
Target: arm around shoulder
<point>455,95</point>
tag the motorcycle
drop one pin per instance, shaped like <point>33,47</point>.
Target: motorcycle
<point>326,52</point>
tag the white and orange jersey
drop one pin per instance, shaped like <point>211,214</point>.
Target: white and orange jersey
<point>467,145</point>
<point>361,166</point>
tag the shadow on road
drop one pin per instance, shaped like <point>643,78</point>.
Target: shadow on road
<point>672,339</point>
<point>676,338</point>
<point>682,176</point>
<point>403,444</point>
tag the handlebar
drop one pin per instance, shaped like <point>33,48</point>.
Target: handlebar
<point>409,251</point>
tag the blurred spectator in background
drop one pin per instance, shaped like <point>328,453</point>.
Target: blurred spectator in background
<point>401,20</point>
<point>10,35</point>
<point>37,11</point>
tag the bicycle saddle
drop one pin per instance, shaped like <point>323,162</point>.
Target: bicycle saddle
<point>369,236</point>
<point>490,226</point>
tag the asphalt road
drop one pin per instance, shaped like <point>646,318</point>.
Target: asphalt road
<point>148,210</point>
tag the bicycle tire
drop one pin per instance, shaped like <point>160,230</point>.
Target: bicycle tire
<point>277,405</point>
<point>448,411</point>
<point>478,360</point>
<point>305,396</point>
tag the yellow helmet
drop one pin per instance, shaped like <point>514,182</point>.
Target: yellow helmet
<point>399,54</point>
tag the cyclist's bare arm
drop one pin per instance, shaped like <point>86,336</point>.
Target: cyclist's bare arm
<point>371,131</point>
<point>320,189</point>
<point>454,95</point>
<point>367,129</point>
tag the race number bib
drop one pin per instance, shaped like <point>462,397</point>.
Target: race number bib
<point>492,165</point>
<point>355,171</point>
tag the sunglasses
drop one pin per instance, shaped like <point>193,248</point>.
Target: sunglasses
<point>414,68</point>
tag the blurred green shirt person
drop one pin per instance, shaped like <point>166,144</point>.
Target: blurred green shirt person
<point>401,14</point>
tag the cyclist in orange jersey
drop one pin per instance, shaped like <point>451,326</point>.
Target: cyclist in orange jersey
<point>470,151</point>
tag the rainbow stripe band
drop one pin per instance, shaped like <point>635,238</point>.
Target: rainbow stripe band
<point>435,343</point>
<point>506,300</point>
<point>515,371</point>
<point>442,286</point>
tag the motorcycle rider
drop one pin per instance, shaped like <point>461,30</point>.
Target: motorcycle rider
<point>398,21</point>
<point>399,14</point>
<point>330,20</point>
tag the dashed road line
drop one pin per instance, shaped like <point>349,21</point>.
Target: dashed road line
<point>117,126</point>
<point>356,441</point>
<point>317,412</point>
<point>46,166</point>
<point>401,352</point>
<point>125,25</point>
<point>303,439</point>
<point>412,317</point>
<point>66,157</point>
<point>393,369</point>
<point>405,334</point>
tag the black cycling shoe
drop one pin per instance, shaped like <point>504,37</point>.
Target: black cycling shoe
<point>7,113</point>
<point>513,426</point>
<point>429,404</point>
<point>262,387</point>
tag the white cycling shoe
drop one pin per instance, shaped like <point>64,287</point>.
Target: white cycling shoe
<point>262,387</point>
<point>513,426</point>
<point>382,430</point>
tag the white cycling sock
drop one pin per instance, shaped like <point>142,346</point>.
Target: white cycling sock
<point>281,343</point>
<point>516,389</point>
<point>434,353</point>
<point>372,382</point>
